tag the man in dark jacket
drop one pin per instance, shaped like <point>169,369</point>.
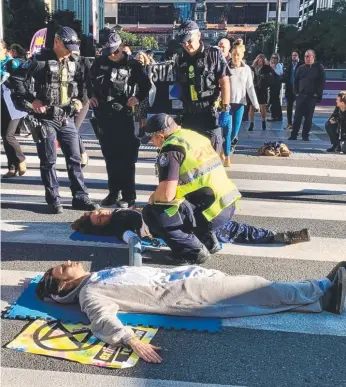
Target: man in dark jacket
<point>336,125</point>
<point>290,73</point>
<point>308,88</point>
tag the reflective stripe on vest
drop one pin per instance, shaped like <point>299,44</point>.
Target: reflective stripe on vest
<point>202,168</point>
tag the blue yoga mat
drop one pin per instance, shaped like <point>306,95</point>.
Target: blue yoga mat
<point>28,306</point>
<point>76,236</point>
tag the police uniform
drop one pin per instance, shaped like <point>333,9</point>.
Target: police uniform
<point>55,83</point>
<point>199,77</point>
<point>113,83</point>
<point>205,196</point>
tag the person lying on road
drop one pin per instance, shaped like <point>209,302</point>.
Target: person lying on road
<point>115,222</point>
<point>182,291</point>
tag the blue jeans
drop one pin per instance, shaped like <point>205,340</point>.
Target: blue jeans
<point>69,142</point>
<point>230,132</point>
<point>234,232</point>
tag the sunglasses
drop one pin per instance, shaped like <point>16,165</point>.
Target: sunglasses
<point>274,57</point>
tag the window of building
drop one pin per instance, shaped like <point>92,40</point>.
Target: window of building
<point>237,13</point>
<point>110,20</point>
<point>272,7</point>
<point>284,7</point>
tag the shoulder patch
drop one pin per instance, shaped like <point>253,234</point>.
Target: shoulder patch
<point>163,160</point>
<point>26,64</point>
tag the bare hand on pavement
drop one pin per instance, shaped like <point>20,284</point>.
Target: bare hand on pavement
<point>145,351</point>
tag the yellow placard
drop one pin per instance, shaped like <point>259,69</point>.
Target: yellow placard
<point>76,342</point>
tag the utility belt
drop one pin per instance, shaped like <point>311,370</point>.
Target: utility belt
<point>38,129</point>
<point>200,107</point>
<point>112,105</point>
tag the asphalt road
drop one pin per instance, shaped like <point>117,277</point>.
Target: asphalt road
<point>238,356</point>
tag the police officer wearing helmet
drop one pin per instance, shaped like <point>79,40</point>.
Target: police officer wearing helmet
<point>118,84</point>
<point>194,196</point>
<point>201,72</point>
<point>51,87</point>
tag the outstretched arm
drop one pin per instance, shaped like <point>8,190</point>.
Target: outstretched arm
<point>105,325</point>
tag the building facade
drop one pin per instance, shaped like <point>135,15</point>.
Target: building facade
<point>308,8</point>
<point>167,12</point>
<point>88,11</point>
<point>216,18</point>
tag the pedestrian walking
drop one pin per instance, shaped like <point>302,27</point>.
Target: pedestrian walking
<point>308,88</point>
<point>201,72</point>
<point>241,85</point>
<point>10,116</point>
<point>60,86</point>
<point>336,125</point>
<point>275,88</point>
<point>119,84</point>
<point>263,77</point>
<point>289,75</point>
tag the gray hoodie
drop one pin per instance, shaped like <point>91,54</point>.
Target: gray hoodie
<point>183,291</point>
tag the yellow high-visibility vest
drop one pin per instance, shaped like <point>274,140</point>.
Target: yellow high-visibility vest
<point>202,168</point>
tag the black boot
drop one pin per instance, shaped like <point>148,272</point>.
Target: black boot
<point>332,274</point>
<point>331,149</point>
<point>109,200</point>
<point>251,127</point>
<point>264,125</point>
<point>333,300</point>
<point>84,205</point>
<point>292,237</point>
<point>194,257</point>
<point>211,242</point>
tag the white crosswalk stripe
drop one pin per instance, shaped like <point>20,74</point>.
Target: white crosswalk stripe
<point>288,200</point>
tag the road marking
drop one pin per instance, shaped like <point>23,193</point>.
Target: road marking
<point>14,377</point>
<point>264,186</point>
<point>318,249</point>
<point>248,168</point>
<point>247,207</point>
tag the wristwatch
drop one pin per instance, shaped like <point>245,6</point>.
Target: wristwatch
<point>225,107</point>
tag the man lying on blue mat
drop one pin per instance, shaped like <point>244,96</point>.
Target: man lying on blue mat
<point>107,222</point>
<point>182,291</point>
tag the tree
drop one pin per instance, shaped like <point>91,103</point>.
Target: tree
<point>324,33</point>
<point>148,42</point>
<point>67,18</point>
<point>22,19</point>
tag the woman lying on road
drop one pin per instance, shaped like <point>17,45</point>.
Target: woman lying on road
<point>182,291</point>
<point>116,222</point>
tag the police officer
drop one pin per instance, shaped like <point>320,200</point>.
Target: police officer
<point>193,189</point>
<point>201,72</point>
<point>119,83</point>
<point>59,85</point>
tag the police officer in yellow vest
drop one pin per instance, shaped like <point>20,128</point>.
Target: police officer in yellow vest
<point>194,196</point>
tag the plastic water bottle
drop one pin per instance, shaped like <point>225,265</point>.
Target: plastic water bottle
<point>135,248</point>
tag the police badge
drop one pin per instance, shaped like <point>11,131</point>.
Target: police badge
<point>163,160</point>
<point>200,63</point>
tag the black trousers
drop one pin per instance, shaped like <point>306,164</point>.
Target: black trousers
<point>332,130</point>
<point>205,124</point>
<point>276,109</point>
<point>305,108</point>
<point>68,138</point>
<point>120,147</point>
<point>290,101</point>
<point>12,148</point>
<point>182,231</point>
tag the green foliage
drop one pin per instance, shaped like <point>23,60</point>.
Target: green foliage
<point>67,18</point>
<point>324,32</point>
<point>22,19</point>
<point>148,42</point>
<point>133,40</point>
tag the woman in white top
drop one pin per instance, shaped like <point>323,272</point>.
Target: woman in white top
<point>241,84</point>
<point>275,88</point>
